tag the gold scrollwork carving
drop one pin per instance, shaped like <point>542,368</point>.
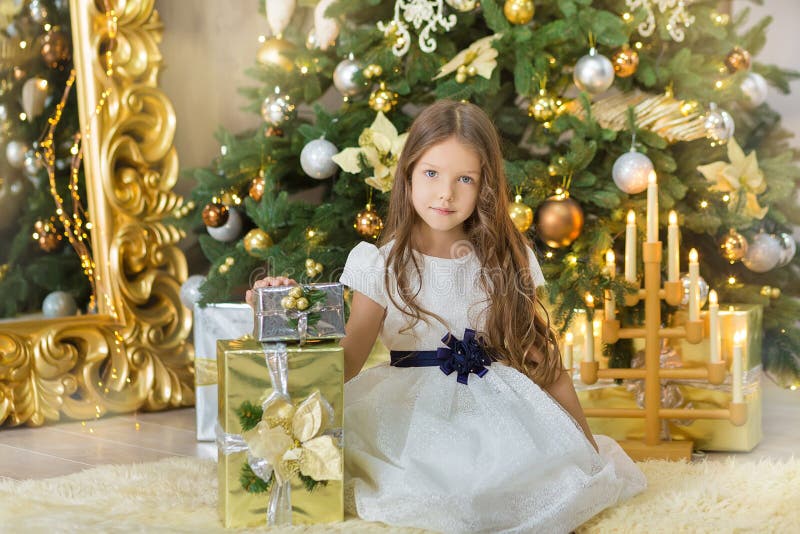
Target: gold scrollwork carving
<point>133,353</point>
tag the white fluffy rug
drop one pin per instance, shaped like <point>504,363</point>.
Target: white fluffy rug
<point>180,495</point>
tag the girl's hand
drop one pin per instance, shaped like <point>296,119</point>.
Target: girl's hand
<point>269,281</point>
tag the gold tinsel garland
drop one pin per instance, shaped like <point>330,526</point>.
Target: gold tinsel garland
<point>672,119</point>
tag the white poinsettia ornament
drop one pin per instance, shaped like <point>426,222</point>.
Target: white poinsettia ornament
<point>740,176</point>
<point>480,58</point>
<point>292,439</point>
<point>379,147</point>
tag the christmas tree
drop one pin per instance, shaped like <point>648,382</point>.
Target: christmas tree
<point>36,260</point>
<point>591,98</point>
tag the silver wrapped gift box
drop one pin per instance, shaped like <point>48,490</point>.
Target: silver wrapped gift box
<point>322,319</point>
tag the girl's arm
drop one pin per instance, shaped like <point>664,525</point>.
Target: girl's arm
<point>361,331</point>
<point>563,392</point>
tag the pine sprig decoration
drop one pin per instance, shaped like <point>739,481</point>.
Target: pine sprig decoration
<point>252,483</point>
<point>310,484</point>
<point>249,415</point>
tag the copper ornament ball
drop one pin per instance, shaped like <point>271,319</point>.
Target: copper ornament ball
<point>215,214</point>
<point>56,48</point>
<point>49,238</point>
<point>368,223</point>
<point>625,61</point>
<point>256,191</point>
<point>737,59</point>
<point>559,221</point>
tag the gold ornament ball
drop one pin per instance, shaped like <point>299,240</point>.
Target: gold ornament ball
<point>383,99</point>
<point>296,292</point>
<point>559,221</point>
<point>256,190</point>
<point>318,268</point>
<point>775,293</point>
<point>519,11</point>
<point>737,59</point>
<point>310,263</point>
<point>368,223</point>
<point>625,61</point>
<point>372,71</point>
<point>257,241</point>
<point>733,246</point>
<point>215,214</point>
<point>273,53</point>
<point>302,303</point>
<point>288,303</point>
<point>543,107</point>
<point>521,214</point>
<point>56,49</point>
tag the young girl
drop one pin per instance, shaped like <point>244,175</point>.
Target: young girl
<point>475,425</point>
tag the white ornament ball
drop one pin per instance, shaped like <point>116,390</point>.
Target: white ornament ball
<point>702,287</point>
<point>59,304</point>
<point>593,73</point>
<point>190,290</point>
<point>344,78</point>
<point>631,172</point>
<point>277,110</point>
<point>754,87</point>
<point>763,253</point>
<point>788,248</point>
<point>719,124</point>
<point>15,153</point>
<point>228,231</point>
<point>462,5</point>
<point>316,159</point>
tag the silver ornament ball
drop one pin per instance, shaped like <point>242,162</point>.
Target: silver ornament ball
<point>719,124</point>
<point>277,110</point>
<point>15,153</point>
<point>5,112</point>
<point>344,78</point>
<point>59,304</point>
<point>32,164</point>
<point>593,73</point>
<point>230,230</point>
<point>763,253</point>
<point>788,248</point>
<point>631,172</point>
<point>316,159</point>
<point>754,87</point>
<point>190,290</point>
<point>702,286</point>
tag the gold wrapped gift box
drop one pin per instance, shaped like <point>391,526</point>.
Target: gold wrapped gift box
<point>244,376</point>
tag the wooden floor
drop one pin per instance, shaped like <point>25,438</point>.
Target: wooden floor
<point>65,448</point>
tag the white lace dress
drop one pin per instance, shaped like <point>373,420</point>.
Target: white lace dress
<point>495,455</point>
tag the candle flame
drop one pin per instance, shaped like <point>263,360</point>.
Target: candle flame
<point>589,300</point>
<point>712,297</point>
<point>673,218</point>
<point>610,256</point>
<point>569,338</point>
<point>631,217</point>
<point>738,338</point>
<point>693,255</point>
<point>652,178</point>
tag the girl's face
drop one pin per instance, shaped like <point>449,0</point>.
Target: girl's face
<point>444,186</point>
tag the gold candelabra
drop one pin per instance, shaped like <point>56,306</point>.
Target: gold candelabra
<point>652,446</point>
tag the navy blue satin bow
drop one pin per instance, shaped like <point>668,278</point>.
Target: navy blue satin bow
<point>464,356</point>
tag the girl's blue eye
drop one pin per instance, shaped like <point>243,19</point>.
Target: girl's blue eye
<point>466,179</point>
<point>430,174</point>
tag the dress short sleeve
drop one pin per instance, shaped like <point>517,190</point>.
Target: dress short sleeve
<point>364,270</point>
<point>536,270</point>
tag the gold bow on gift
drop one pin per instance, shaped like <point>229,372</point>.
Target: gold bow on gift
<point>480,55</point>
<point>380,145</point>
<point>291,438</point>
<point>740,176</point>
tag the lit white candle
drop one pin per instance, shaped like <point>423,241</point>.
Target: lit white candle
<point>610,305</point>
<point>652,208</point>
<point>713,326</point>
<point>630,248</point>
<point>694,287</point>
<point>568,351</point>
<point>738,342</point>
<point>588,346</point>
<point>672,248</point>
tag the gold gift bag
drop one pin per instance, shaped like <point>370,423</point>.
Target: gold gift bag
<point>244,377</point>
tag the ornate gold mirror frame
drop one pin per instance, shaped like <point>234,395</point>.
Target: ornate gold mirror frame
<point>133,354</point>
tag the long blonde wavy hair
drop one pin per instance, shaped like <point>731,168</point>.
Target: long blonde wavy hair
<point>516,323</point>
